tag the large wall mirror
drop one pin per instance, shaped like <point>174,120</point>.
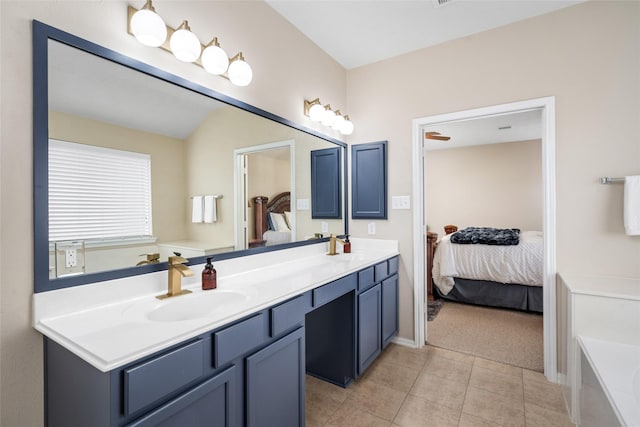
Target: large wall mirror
<point>190,170</point>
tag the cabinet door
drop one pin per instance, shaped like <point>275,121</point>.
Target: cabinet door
<point>326,184</point>
<point>389,309</point>
<point>369,181</point>
<point>369,331</point>
<point>275,383</point>
<point>208,405</point>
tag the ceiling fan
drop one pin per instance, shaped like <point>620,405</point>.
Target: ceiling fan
<point>436,136</point>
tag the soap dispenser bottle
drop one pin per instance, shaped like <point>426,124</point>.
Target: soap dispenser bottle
<point>209,276</point>
<point>346,247</point>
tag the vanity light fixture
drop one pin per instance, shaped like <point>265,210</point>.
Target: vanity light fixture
<point>214,58</point>
<point>325,115</point>
<point>239,71</point>
<point>184,44</point>
<point>149,29</point>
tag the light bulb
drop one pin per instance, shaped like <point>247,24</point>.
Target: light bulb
<point>148,27</point>
<point>338,122</point>
<point>214,59</point>
<point>239,71</point>
<point>329,116</point>
<point>347,126</point>
<point>184,44</point>
<point>316,112</point>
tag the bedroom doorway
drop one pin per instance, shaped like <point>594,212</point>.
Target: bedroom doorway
<point>544,108</point>
<point>261,170</point>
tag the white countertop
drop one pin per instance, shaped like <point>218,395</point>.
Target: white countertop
<point>617,366</point>
<point>605,286</point>
<point>106,325</point>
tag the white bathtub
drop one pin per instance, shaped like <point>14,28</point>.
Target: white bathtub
<point>616,367</point>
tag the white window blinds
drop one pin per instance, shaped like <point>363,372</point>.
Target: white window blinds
<point>98,193</point>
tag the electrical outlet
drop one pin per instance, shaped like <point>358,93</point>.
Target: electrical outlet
<point>70,258</point>
<point>371,228</point>
<point>325,227</point>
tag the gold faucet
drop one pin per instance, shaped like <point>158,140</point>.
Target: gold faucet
<point>332,244</point>
<point>176,271</point>
<point>151,259</point>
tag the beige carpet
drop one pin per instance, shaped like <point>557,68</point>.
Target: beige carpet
<point>505,336</point>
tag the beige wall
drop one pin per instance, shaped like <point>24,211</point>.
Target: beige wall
<point>282,81</point>
<point>588,57</point>
<point>497,185</point>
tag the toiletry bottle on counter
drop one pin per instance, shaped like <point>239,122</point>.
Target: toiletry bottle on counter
<point>209,276</point>
<point>346,248</point>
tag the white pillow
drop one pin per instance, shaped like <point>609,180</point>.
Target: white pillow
<point>279,222</point>
<point>287,216</point>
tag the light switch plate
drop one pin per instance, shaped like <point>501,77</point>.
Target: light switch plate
<point>302,204</point>
<point>324,226</point>
<point>400,202</point>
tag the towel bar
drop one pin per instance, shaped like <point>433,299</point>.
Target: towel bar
<point>610,180</point>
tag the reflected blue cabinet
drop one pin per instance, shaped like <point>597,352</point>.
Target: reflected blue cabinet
<point>326,185</point>
<point>369,181</point>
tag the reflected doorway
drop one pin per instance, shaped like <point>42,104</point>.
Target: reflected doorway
<point>262,170</point>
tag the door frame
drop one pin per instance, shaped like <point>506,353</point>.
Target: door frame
<point>239,183</point>
<point>547,107</point>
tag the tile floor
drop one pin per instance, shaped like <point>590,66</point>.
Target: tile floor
<point>436,387</point>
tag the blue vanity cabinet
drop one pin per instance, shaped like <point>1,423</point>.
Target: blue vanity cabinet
<point>275,383</point>
<point>389,309</point>
<point>377,310</point>
<point>369,327</point>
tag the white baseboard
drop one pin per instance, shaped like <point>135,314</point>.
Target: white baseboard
<point>404,342</point>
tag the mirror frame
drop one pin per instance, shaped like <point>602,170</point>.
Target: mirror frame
<point>42,33</point>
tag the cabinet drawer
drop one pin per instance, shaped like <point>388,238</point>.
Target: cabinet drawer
<point>289,314</point>
<point>333,290</point>
<point>393,265</point>
<point>235,340</point>
<point>156,378</point>
<point>381,271</point>
<point>365,279</point>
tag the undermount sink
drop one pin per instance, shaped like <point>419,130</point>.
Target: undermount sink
<point>194,306</point>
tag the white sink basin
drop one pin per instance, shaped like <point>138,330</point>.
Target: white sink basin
<point>194,306</point>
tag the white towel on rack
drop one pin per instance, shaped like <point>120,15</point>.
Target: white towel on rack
<point>210,211</point>
<point>632,205</point>
<point>196,209</point>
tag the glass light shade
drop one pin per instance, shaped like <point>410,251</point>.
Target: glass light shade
<point>185,45</point>
<point>149,28</point>
<point>240,73</point>
<point>338,122</point>
<point>329,117</point>
<point>316,112</point>
<point>215,60</point>
<point>347,127</point>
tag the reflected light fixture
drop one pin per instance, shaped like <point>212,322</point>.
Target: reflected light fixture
<point>314,109</point>
<point>316,112</point>
<point>184,44</point>
<point>239,72</point>
<point>149,29</point>
<point>329,116</point>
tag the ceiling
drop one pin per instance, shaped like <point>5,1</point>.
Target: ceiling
<point>360,32</point>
